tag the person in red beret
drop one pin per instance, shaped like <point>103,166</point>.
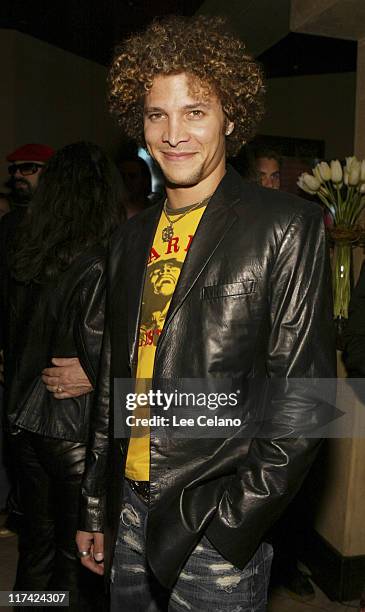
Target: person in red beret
<point>26,164</point>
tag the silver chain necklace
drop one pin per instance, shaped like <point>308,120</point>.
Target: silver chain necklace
<point>168,231</point>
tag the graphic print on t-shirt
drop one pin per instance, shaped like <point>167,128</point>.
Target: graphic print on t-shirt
<point>160,283</point>
<point>163,270</point>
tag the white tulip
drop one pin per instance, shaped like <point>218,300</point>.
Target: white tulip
<point>336,171</point>
<point>349,161</point>
<point>324,171</point>
<point>346,176</point>
<point>302,185</point>
<point>362,188</point>
<point>311,182</point>
<point>354,174</point>
<point>317,174</point>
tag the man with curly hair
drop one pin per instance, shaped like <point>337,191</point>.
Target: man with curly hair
<point>245,273</point>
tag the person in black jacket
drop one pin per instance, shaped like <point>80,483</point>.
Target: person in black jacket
<point>25,169</point>
<point>55,305</point>
<point>245,281</point>
<point>186,516</point>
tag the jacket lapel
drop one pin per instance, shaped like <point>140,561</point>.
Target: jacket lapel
<point>140,245</point>
<point>216,221</point>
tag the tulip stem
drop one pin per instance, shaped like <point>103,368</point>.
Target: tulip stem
<point>341,279</point>
<point>339,203</point>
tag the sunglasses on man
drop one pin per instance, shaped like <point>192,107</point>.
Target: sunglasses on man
<point>25,168</point>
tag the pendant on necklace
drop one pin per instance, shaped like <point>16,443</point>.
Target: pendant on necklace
<point>167,233</point>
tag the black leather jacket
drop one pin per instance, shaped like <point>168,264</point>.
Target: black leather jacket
<point>253,300</point>
<point>62,318</point>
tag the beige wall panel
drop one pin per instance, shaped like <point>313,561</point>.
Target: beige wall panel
<point>7,105</point>
<point>340,501</point>
<point>316,106</point>
<point>360,101</point>
<point>335,18</point>
<point>354,543</point>
<point>54,96</point>
<point>331,514</point>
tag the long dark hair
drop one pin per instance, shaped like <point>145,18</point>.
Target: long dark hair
<point>78,203</point>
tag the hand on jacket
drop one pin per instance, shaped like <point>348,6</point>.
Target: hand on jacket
<point>67,378</point>
<point>94,543</point>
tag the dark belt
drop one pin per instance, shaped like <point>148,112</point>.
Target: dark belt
<point>140,488</point>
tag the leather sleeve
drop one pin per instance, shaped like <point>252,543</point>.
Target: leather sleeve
<point>301,345</point>
<point>89,325</point>
<point>90,337</point>
<point>95,476</point>
<point>354,355</point>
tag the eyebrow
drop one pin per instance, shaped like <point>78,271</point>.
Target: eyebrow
<point>190,106</point>
<point>157,109</point>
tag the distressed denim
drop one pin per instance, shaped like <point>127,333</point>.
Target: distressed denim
<point>206,582</point>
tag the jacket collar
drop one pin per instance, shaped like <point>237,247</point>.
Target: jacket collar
<point>218,217</point>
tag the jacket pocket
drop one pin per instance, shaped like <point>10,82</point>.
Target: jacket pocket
<point>243,287</point>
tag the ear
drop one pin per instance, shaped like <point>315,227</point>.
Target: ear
<point>229,128</point>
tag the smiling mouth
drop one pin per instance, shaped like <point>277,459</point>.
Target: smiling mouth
<point>177,156</point>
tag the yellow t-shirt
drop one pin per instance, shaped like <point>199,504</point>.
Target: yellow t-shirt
<point>163,270</point>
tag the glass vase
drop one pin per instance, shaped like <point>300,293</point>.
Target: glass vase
<point>341,279</point>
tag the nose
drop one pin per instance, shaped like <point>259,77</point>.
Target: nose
<point>175,132</point>
<point>267,181</point>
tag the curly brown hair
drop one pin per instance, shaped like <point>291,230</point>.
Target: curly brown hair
<point>201,46</point>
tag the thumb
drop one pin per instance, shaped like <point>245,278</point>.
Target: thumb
<point>63,361</point>
<point>98,548</point>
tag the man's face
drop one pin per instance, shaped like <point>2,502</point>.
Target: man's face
<point>269,172</point>
<point>185,131</point>
<point>24,187</point>
<point>164,278</point>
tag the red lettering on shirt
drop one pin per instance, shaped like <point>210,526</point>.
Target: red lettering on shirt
<point>173,245</point>
<point>153,255</point>
<point>149,337</point>
<point>189,243</point>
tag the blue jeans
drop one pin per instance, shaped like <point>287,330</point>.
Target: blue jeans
<point>207,581</point>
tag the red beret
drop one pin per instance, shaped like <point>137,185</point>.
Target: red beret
<point>31,152</point>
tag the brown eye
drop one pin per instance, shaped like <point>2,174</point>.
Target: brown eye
<point>155,116</point>
<point>196,114</point>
